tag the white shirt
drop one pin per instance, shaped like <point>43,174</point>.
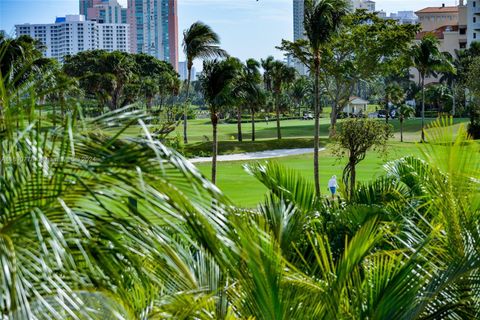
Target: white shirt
<point>332,183</point>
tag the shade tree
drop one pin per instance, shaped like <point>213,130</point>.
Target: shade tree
<point>354,139</point>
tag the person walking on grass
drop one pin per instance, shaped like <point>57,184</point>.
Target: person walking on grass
<point>333,186</point>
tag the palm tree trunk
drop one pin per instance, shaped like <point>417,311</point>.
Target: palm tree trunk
<point>185,111</point>
<point>277,111</point>
<point>316,142</point>
<point>387,114</point>
<point>423,108</point>
<point>54,114</point>
<point>239,124</point>
<point>401,129</point>
<point>214,118</point>
<point>253,125</point>
<point>454,102</point>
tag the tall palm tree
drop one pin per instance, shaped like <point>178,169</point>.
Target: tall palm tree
<point>322,20</point>
<point>218,83</point>
<point>256,99</point>
<point>267,65</point>
<point>199,41</point>
<point>73,214</point>
<point>281,75</point>
<point>428,60</point>
<point>249,78</point>
<point>450,77</point>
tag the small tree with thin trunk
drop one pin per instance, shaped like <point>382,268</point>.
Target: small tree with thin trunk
<point>354,139</point>
<point>217,84</point>
<point>199,41</point>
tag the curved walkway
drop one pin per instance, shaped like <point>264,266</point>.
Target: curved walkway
<point>257,155</point>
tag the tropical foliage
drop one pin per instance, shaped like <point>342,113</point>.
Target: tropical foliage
<point>322,20</point>
<point>354,139</point>
<point>96,224</point>
<point>199,41</point>
<point>218,79</point>
<point>428,60</point>
<point>117,79</point>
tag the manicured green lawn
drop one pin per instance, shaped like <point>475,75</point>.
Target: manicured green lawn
<point>246,191</point>
<point>201,130</point>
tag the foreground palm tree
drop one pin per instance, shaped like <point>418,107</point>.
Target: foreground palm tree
<point>383,283</point>
<point>218,83</point>
<point>428,60</point>
<point>281,75</point>
<point>94,226</point>
<point>322,20</point>
<point>199,42</point>
<point>76,222</point>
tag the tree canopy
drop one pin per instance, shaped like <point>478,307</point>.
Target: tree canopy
<point>116,79</point>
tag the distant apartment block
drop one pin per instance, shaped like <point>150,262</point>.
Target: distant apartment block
<point>72,34</point>
<point>106,11</point>
<point>84,5</point>
<point>183,71</point>
<point>154,28</point>
<point>298,32</point>
<point>447,24</point>
<point>402,17</point>
<point>473,21</point>
<point>153,24</point>
<point>363,4</point>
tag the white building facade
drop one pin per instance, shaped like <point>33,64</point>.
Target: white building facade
<point>473,21</point>
<point>73,34</point>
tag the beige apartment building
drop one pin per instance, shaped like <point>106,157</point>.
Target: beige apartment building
<point>448,24</point>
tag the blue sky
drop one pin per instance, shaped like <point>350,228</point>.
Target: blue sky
<point>247,28</point>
